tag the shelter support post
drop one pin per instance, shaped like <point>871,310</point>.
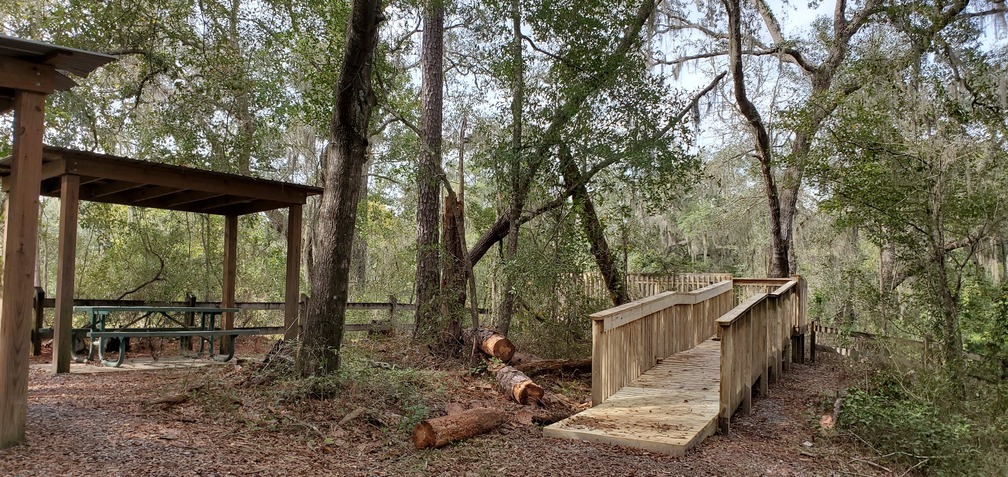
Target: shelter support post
<point>230,273</point>
<point>63,323</point>
<point>19,249</point>
<point>293,279</point>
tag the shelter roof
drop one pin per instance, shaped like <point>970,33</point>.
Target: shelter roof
<point>18,55</point>
<point>119,180</point>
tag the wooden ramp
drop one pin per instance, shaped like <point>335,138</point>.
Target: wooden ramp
<point>670,408</point>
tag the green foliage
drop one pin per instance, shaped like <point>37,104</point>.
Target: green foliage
<point>918,419</point>
<point>910,432</point>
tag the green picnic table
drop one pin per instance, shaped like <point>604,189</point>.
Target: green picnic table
<point>173,316</point>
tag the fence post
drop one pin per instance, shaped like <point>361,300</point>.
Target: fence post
<point>812,339</point>
<point>302,313</point>
<point>36,334</point>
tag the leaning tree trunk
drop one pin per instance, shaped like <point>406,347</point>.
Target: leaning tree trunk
<point>428,189</point>
<point>778,241</point>
<point>322,335</point>
<point>592,228</point>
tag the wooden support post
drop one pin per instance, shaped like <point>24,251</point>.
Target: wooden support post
<point>230,275</point>
<point>39,319</point>
<point>19,248</point>
<point>293,277</point>
<point>63,321</point>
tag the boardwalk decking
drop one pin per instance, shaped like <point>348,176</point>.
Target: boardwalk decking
<point>670,408</point>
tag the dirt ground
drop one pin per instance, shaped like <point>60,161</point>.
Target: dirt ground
<point>238,419</point>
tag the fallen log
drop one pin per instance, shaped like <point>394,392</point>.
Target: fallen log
<point>517,385</point>
<point>521,357</point>
<point>556,366</point>
<point>492,343</point>
<point>441,431</point>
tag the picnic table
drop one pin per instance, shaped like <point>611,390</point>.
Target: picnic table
<point>174,321</point>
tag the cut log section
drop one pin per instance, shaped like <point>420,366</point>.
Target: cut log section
<point>517,385</point>
<point>556,366</point>
<point>441,431</point>
<point>492,343</point>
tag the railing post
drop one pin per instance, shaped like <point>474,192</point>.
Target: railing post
<point>36,334</point>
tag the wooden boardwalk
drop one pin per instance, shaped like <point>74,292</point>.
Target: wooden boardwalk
<point>670,408</point>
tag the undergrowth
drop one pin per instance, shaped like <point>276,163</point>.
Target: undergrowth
<point>922,423</point>
<point>395,395</point>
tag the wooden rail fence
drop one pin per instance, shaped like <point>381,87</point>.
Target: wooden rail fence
<point>630,339</point>
<point>41,302</point>
<point>641,285</point>
<point>756,340</point>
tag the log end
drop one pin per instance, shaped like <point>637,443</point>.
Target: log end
<point>424,436</point>
<point>528,392</point>
<point>501,348</point>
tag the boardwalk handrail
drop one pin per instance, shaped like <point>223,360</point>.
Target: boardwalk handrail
<point>630,339</point>
<point>756,340</point>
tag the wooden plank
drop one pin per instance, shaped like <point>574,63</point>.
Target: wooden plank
<point>26,76</point>
<point>230,273</point>
<point>670,408</point>
<point>65,273</point>
<point>19,250</point>
<point>292,279</point>
<point>98,191</point>
<point>735,313</point>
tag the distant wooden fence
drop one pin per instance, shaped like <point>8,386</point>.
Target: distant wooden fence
<point>756,340</point>
<point>630,339</point>
<point>642,285</point>
<point>41,302</point>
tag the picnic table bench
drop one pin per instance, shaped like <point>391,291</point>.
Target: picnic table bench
<point>175,315</point>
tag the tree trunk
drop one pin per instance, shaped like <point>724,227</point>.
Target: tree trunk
<point>444,430</point>
<point>779,255</point>
<point>591,225</point>
<point>518,192</point>
<point>428,187</point>
<point>360,244</point>
<point>322,334</point>
<point>518,386</point>
<point>453,273</point>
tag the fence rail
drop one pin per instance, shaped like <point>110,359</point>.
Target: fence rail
<point>41,302</point>
<point>629,339</point>
<point>642,285</point>
<point>756,337</point>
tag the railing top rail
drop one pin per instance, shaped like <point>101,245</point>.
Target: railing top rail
<point>784,288</point>
<point>629,312</point>
<point>762,281</point>
<point>786,284</point>
<point>735,313</point>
